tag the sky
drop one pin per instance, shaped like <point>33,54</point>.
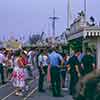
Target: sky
<point>24,17</point>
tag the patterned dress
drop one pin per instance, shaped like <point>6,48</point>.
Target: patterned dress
<point>18,76</point>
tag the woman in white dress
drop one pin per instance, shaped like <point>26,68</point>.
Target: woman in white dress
<point>18,76</point>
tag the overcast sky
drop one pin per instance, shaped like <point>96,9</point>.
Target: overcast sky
<point>23,17</point>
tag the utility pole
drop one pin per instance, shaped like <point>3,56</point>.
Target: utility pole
<point>68,13</point>
<point>85,9</point>
<point>53,18</point>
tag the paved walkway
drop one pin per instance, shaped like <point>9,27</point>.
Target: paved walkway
<point>47,96</point>
<point>7,92</point>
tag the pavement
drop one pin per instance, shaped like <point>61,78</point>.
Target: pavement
<point>7,92</point>
<point>47,96</point>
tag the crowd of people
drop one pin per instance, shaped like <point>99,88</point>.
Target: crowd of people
<point>52,65</point>
<point>16,67</point>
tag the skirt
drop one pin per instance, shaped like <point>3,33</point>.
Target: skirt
<point>18,77</point>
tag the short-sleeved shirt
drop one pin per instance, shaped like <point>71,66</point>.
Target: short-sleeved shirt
<point>88,61</point>
<point>2,58</point>
<point>42,59</point>
<point>73,61</point>
<point>55,59</point>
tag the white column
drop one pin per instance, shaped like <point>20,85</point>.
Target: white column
<point>98,52</point>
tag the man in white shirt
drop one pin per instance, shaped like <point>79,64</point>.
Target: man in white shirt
<point>43,65</point>
<point>2,59</point>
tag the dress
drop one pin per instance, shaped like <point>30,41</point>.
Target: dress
<point>18,76</point>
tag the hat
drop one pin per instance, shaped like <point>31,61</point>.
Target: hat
<point>25,52</point>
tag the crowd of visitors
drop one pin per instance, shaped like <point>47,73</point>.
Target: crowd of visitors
<point>60,69</point>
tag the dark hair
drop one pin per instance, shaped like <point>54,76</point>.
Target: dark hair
<point>22,52</point>
<point>77,50</point>
<point>64,54</point>
<point>88,50</point>
<point>41,50</point>
<point>17,53</point>
<point>49,50</point>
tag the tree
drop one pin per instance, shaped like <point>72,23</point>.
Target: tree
<point>76,44</point>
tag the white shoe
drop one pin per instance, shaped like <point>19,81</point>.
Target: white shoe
<point>19,94</point>
<point>27,88</point>
<point>65,89</point>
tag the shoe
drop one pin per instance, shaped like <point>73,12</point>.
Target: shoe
<point>57,95</point>
<point>27,88</point>
<point>54,95</point>
<point>19,94</point>
<point>60,95</point>
<point>3,83</point>
<point>65,89</point>
<point>42,90</point>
